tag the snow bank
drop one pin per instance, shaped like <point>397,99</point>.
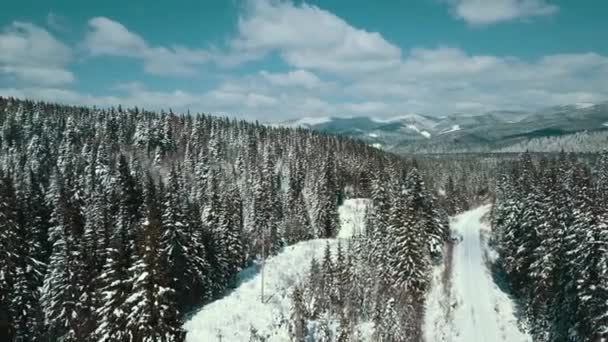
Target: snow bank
<point>233,316</point>
<point>454,128</point>
<point>352,217</point>
<point>415,128</point>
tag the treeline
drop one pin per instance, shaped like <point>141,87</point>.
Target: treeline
<point>382,277</point>
<point>460,181</point>
<point>115,223</point>
<point>575,142</point>
<point>550,226</point>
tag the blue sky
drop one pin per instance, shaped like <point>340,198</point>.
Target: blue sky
<point>273,60</point>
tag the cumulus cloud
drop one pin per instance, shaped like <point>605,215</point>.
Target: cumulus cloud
<point>330,68</point>
<point>110,38</point>
<point>367,107</point>
<point>430,81</point>
<point>484,12</point>
<point>308,37</point>
<point>31,55</point>
<point>295,78</point>
<point>439,78</point>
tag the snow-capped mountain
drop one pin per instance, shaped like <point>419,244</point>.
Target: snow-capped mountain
<point>461,131</point>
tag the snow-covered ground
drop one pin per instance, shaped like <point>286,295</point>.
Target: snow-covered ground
<point>352,217</point>
<point>416,129</point>
<point>454,128</point>
<point>466,305</point>
<point>232,317</point>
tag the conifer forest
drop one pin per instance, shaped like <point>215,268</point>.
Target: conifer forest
<point>123,224</point>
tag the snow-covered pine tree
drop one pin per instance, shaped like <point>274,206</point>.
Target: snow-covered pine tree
<point>182,248</point>
<point>390,325</point>
<point>267,210</point>
<point>212,235</point>
<point>20,315</point>
<point>232,232</point>
<point>114,282</point>
<point>152,314</point>
<point>525,237</point>
<point>377,225</point>
<point>327,205</point>
<point>37,216</point>
<point>434,229</point>
<point>408,258</point>
<point>582,254</point>
<point>326,285</point>
<point>66,279</point>
<point>298,319</point>
<point>297,225</point>
<point>312,293</point>
<point>341,273</point>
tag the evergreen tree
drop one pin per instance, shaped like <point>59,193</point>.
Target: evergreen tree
<point>327,210</point>
<point>298,227</point>
<point>298,319</point>
<point>267,209</point>
<point>20,315</point>
<point>181,245</point>
<point>232,232</point>
<point>408,258</point>
<point>66,279</point>
<point>153,314</point>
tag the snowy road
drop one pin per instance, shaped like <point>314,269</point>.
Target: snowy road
<point>464,303</point>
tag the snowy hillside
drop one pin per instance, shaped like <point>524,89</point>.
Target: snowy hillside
<point>470,132</point>
<point>464,303</point>
<point>233,316</point>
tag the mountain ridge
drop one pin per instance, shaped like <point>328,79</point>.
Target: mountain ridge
<point>494,130</point>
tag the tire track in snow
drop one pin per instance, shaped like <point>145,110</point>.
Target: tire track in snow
<point>483,312</point>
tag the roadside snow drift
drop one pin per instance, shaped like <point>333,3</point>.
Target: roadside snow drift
<point>464,303</point>
<point>232,317</point>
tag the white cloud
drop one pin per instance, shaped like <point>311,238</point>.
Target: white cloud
<point>32,55</point>
<point>295,78</point>
<point>445,80</point>
<point>111,38</point>
<point>306,36</point>
<point>429,81</point>
<point>447,61</point>
<point>368,107</point>
<point>333,69</point>
<point>484,12</point>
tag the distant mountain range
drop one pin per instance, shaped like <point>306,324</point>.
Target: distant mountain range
<point>492,131</point>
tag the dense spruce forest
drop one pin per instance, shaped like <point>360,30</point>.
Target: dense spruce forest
<point>116,223</point>
<point>383,275</point>
<point>550,227</point>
